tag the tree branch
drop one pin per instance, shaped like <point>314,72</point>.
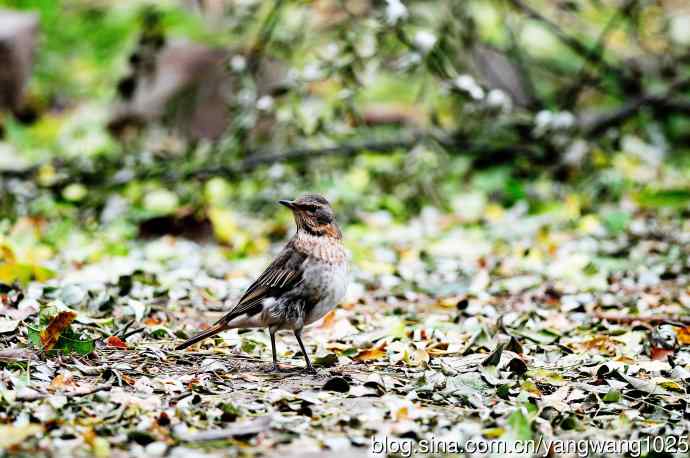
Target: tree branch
<point>595,53</point>
<point>570,41</point>
<point>600,123</point>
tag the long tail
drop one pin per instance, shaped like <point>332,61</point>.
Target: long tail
<point>212,331</point>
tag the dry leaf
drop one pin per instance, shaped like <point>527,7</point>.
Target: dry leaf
<point>7,254</point>
<point>60,383</point>
<point>51,334</point>
<point>659,354</point>
<point>127,379</point>
<point>373,353</point>
<point>328,320</point>
<point>683,335</point>
<point>418,357</point>
<point>115,342</point>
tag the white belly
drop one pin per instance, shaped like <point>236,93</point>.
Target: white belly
<point>329,283</point>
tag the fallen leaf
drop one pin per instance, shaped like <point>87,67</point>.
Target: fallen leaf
<point>328,320</point>
<point>373,353</point>
<point>683,335</point>
<point>8,325</point>
<point>658,353</point>
<point>60,383</point>
<point>15,354</point>
<point>11,435</point>
<point>417,357</point>
<point>519,426</point>
<point>7,254</point>
<point>51,334</point>
<point>115,342</point>
<point>327,360</point>
<point>495,357</point>
<point>246,428</point>
<point>338,384</point>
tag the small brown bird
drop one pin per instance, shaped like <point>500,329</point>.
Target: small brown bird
<point>307,279</point>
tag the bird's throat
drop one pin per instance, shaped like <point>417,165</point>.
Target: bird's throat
<point>325,247</point>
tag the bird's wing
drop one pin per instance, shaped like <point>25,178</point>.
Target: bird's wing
<point>283,274</point>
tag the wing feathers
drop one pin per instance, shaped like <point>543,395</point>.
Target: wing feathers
<point>283,274</point>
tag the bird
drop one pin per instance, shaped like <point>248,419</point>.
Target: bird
<point>306,280</point>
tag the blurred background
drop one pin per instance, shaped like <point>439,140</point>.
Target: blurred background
<point>139,118</point>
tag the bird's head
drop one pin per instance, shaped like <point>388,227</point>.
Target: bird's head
<point>314,215</point>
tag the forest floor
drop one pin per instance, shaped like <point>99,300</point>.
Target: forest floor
<point>518,328</point>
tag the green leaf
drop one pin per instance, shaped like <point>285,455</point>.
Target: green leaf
<point>248,345</point>
<point>664,198</point>
<point>503,391</point>
<point>616,221</point>
<point>65,344</point>
<point>327,360</point>
<point>612,396</point>
<point>543,336</point>
<point>519,427</point>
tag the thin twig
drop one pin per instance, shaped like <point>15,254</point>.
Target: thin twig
<point>124,328</point>
<point>133,332</point>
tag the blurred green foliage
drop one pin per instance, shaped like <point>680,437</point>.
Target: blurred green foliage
<point>373,73</point>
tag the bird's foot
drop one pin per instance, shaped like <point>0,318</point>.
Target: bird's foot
<point>310,370</point>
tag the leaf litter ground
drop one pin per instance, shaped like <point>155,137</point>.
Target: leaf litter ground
<point>515,328</point>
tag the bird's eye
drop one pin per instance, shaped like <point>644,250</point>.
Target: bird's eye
<point>310,208</point>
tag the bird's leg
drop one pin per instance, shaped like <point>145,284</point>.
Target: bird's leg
<point>298,336</point>
<point>273,349</point>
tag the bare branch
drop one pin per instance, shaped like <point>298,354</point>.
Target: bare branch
<point>601,122</point>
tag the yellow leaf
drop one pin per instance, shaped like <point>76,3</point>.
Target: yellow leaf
<point>573,205</point>
<point>449,302</point>
<point>373,353</point>
<point>42,274</point>
<point>493,433</point>
<point>11,435</point>
<point>683,335</point>
<point>11,272</point>
<point>671,385</point>
<point>7,254</point>
<point>224,225</point>
<point>589,224</point>
<point>494,213</point>
<point>46,175</point>
<point>328,320</point>
<point>417,358</point>
<point>403,413</point>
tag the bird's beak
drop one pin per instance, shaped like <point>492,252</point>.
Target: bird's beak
<point>288,203</point>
